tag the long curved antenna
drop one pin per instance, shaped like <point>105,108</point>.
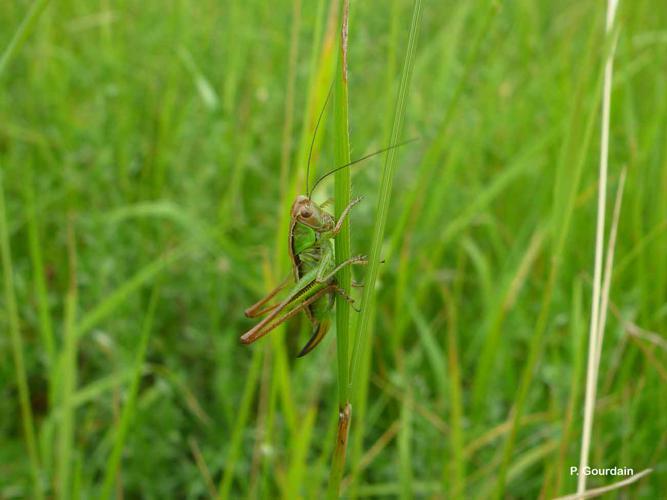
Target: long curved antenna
<point>312,143</point>
<point>358,160</point>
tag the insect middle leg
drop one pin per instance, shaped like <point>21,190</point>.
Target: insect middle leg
<point>322,278</point>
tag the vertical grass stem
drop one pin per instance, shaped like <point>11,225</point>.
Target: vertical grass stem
<point>591,371</point>
<point>17,346</point>
<point>342,190</point>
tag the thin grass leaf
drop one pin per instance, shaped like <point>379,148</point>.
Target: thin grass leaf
<point>243,415</point>
<point>578,336</point>
<point>17,347</point>
<point>37,261</point>
<point>129,409</point>
<point>567,184</point>
<point>68,373</point>
<point>15,44</point>
<point>299,454</point>
<point>385,192</point>
<point>455,465</point>
<point>597,323</point>
<point>123,292</point>
<point>404,441</point>
<point>22,33</point>
<point>430,346</point>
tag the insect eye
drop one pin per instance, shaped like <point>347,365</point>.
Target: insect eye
<point>305,213</point>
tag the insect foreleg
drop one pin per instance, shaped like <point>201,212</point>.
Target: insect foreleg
<point>345,213</point>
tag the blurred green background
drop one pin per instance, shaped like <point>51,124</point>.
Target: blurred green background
<point>150,151</point>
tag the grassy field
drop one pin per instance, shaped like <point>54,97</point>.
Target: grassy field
<point>149,154</point>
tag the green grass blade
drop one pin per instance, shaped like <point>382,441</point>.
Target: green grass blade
<point>360,404</point>
<point>385,191</point>
<point>17,41</point>
<point>129,409</point>
<point>67,375</point>
<point>22,33</point>
<point>342,199</point>
<point>405,433</point>
<point>457,466</point>
<point>298,460</point>
<point>578,349</point>
<point>342,190</point>
<point>512,283</point>
<point>236,437</point>
<point>17,346</point>
<point>430,347</point>
<point>37,261</point>
<point>120,295</point>
<point>567,185</point>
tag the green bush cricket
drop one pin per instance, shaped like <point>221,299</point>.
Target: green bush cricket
<point>311,252</point>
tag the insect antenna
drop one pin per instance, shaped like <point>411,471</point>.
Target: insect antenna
<point>312,143</point>
<point>359,160</point>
